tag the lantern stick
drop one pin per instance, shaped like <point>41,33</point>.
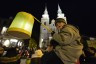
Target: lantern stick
<point>43,25</point>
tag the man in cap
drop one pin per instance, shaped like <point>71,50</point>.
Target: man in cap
<point>66,43</point>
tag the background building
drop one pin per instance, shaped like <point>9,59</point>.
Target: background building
<point>45,35</point>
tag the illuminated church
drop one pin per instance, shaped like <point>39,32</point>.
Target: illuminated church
<point>45,35</point>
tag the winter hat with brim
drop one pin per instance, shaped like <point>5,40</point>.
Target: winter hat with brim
<point>60,20</point>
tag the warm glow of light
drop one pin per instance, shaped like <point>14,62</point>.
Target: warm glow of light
<point>19,43</point>
<point>40,44</point>
<point>6,43</point>
<point>4,29</point>
<point>13,40</point>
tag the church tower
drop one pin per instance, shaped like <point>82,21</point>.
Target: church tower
<point>45,36</point>
<point>43,31</point>
<point>60,14</point>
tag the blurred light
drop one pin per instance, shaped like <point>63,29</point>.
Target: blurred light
<point>17,49</point>
<point>6,43</point>
<point>40,44</point>
<point>13,40</point>
<point>4,29</point>
<point>4,53</point>
<point>50,38</point>
<point>91,38</point>
<point>19,43</point>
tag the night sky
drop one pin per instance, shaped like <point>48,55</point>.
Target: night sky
<point>81,13</point>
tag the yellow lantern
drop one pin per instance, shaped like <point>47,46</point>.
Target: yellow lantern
<point>22,25</point>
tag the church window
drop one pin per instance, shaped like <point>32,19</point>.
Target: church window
<point>44,23</point>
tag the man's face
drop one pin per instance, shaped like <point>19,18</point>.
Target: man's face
<point>60,25</point>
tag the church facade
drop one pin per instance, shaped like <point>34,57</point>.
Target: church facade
<point>45,35</point>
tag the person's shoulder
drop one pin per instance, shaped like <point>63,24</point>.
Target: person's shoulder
<point>69,26</point>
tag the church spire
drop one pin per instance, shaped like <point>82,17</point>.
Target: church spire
<point>59,10</point>
<point>60,14</point>
<point>45,12</point>
<point>45,15</point>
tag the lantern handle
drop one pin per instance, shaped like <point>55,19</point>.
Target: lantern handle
<point>49,29</point>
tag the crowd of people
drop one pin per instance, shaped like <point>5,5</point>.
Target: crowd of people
<point>66,46</point>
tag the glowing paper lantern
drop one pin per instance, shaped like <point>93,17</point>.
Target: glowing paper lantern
<point>22,25</point>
